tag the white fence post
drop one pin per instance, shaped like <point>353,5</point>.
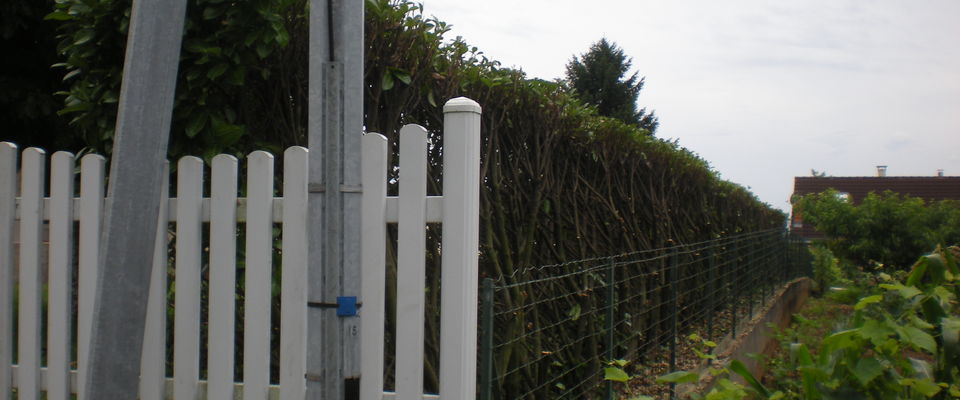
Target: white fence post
<point>460,244</point>
<point>8,194</point>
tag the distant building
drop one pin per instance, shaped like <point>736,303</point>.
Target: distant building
<point>856,188</point>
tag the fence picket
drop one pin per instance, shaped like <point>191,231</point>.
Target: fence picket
<point>60,292</point>
<point>293,286</point>
<point>223,277</point>
<point>88,248</point>
<point>8,193</point>
<point>31,221</point>
<point>153,362</point>
<point>186,362</point>
<point>372,261</point>
<point>259,249</point>
<point>411,271</point>
<point>259,212</point>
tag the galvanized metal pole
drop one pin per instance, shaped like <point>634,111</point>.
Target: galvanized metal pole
<point>335,125</point>
<point>611,314</point>
<point>133,198</point>
<point>674,331</point>
<point>486,340</point>
<point>712,291</point>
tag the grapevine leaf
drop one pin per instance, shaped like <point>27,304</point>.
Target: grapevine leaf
<point>867,301</point>
<point>867,369</point>
<point>678,377</point>
<point>615,374</point>
<point>917,338</point>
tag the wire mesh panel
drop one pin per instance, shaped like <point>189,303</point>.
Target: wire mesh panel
<point>551,330</point>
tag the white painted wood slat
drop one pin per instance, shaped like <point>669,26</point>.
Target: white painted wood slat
<point>223,277</point>
<point>259,249</point>
<point>293,286</point>
<point>411,271</point>
<point>89,212</point>
<point>60,286</point>
<point>8,193</point>
<point>186,361</point>
<point>372,264</point>
<point>153,361</point>
<point>33,169</point>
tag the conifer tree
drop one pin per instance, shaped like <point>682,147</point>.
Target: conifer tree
<point>599,78</point>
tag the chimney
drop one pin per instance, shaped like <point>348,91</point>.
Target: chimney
<point>881,171</point>
<point>940,172</point>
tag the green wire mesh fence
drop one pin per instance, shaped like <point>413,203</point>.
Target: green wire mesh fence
<point>547,332</point>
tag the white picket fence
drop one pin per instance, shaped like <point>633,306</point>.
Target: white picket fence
<point>29,218</point>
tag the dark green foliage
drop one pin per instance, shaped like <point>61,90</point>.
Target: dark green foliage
<point>232,55</point>
<point>889,229</point>
<point>28,107</point>
<point>598,77</point>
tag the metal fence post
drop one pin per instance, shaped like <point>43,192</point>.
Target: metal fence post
<point>611,324</point>
<point>673,315</point>
<point>486,340</point>
<point>711,292</point>
<point>735,267</point>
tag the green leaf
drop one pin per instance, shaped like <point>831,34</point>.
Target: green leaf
<point>83,36</point>
<point>263,50</point>
<point>867,369</point>
<point>387,82</point>
<point>57,16</point>
<point>620,363</point>
<point>875,331</point>
<point>867,301</point>
<point>925,387</point>
<point>403,77</point>
<point>615,374</point>
<point>574,312</point>
<point>917,338</point>
<point>678,377</point>
<point>906,292</point>
<point>840,340</point>
<point>196,123</point>
<point>217,70</point>
<point>740,369</point>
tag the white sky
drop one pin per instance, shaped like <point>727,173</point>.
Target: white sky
<point>763,90</point>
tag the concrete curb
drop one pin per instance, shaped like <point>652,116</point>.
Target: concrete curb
<point>754,336</point>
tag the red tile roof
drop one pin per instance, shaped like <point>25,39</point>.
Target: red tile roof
<point>929,188</point>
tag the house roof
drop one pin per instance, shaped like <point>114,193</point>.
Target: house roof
<point>928,188</point>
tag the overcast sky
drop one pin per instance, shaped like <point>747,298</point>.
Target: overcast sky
<point>763,90</point>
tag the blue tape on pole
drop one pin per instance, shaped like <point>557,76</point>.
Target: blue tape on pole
<point>346,306</point>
